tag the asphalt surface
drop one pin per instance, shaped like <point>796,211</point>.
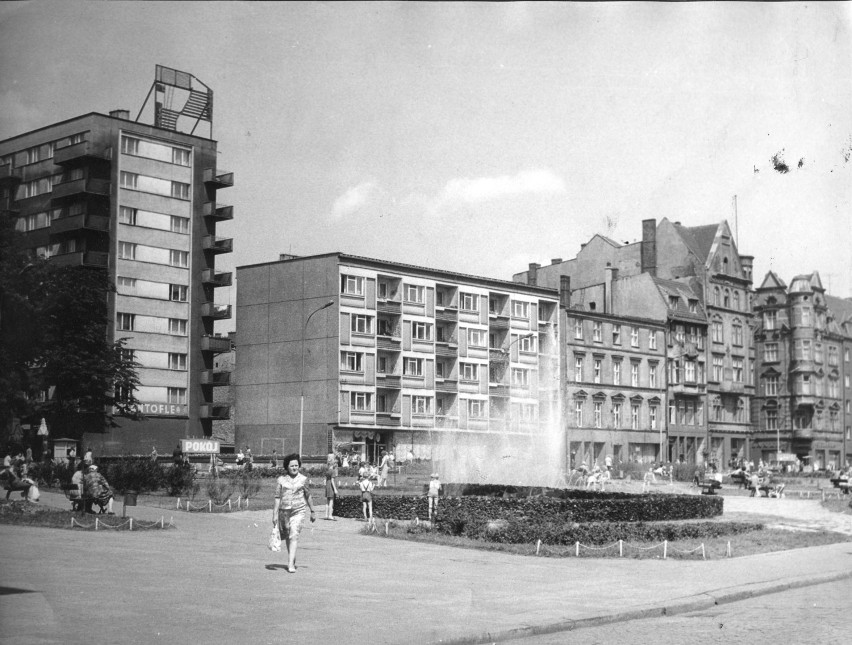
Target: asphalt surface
<point>212,579</point>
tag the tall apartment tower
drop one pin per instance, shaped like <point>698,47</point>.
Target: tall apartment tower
<point>344,352</point>
<point>140,202</point>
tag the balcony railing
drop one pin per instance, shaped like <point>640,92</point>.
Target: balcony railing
<point>217,244</point>
<point>446,421</point>
<point>80,187</point>
<point>223,279</point>
<point>388,418</point>
<point>81,151</point>
<point>498,389</point>
<point>389,306</point>
<point>450,315</point>
<point>392,381</point>
<point>446,385</point>
<point>215,344</point>
<point>211,377</point>
<point>498,322</point>
<point>389,343</point>
<point>81,258</point>
<point>216,312</point>
<point>214,411</point>
<point>446,349</point>
<point>218,212</point>
<point>9,176</point>
<point>81,221</point>
<point>218,178</point>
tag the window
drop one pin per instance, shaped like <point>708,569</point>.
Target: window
<point>527,344</point>
<point>846,355</point>
<point>177,395</point>
<point>476,338</point>
<point>634,416</point>
<point>361,324</point>
<point>598,414</point>
<point>597,331</point>
<point>177,327</point>
<point>833,388</point>
<point>689,408</point>
<point>716,296</point>
<point>129,145</point>
<point>469,372</point>
<point>178,292</point>
<point>717,411</point>
<point>770,352</point>
<point>738,370</point>
<point>737,333</point>
<point>716,327</point>
<point>578,413</point>
<point>127,215</point>
<point>177,362</point>
<point>352,285</point>
<point>180,156</point>
<point>701,374</point>
<point>672,412</point>
<point>737,300</point>
<point>361,401</point>
<point>770,385</point>
<point>421,331</point>
<point>693,306</point>
<point>383,290</point>
<point>520,377</point>
<point>440,368</point>
<point>616,372</point>
<point>673,300</point>
<point>652,375</point>
<point>689,376</point>
<point>726,302</point>
<point>596,367</point>
<point>129,180</point>
<point>475,409</point>
<point>469,301</point>
<point>833,356</point>
<point>652,339</point>
<point>126,285</point>
<point>352,361</point>
<point>126,322</point>
<point>680,335</point>
<point>634,374</point>
<point>578,329</point>
<point>652,416</point>
<point>616,415</point>
<point>634,337</point>
<point>718,367</point>
<point>421,405</point>
<point>578,368</point>
<point>178,258</point>
<point>770,320</point>
<point>741,415</point>
<point>616,334</point>
<point>803,350</point>
<point>818,352</point>
<point>413,367</point>
<point>806,316</point>
<point>414,293</point>
<point>179,224</point>
<point>126,251</point>
<point>520,309</point>
<point>180,190</point>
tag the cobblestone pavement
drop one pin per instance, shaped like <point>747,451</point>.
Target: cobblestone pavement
<point>819,613</point>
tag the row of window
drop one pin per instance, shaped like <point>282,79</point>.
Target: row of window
<point>57,248</point>
<point>151,150</point>
<point>150,219</point>
<point>172,257</point>
<point>41,152</point>
<point>617,418</point>
<point>802,385</point>
<point>425,405</point>
<point>597,333</point>
<point>800,421</point>
<point>147,289</point>
<point>172,326</point>
<point>718,335</point>
<point>597,371</point>
<point>728,299</point>
<point>802,352</point>
<point>155,185</point>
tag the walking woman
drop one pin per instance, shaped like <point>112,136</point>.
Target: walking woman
<point>292,495</point>
<point>330,487</point>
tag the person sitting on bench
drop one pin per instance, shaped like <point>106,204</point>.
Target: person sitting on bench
<point>75,493</point>
<point>13,482</point>
<point>97,490</point>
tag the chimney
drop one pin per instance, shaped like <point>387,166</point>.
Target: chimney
<point>556,261</point>
<point>649,247</point>
<point>120,114</point>
<point>611,274</point>
<point>532,274</point>
<point>565,291</point>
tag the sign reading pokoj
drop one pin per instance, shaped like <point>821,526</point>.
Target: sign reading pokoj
<point>200,446</point>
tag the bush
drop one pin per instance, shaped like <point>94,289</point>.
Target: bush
<point>246,483</point>
<point>181,481</point>
<point>138,474</point>
<point>219,489</point>
<point>50,473</point>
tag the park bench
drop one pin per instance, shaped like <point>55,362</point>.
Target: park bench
<point>844,486</point>
<point>839,481</point>
<point>12,483</point>
<point>80,502</point>
<point>740,478</point>
<point>709,486</point>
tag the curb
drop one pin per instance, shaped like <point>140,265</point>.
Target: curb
<point>672,608</point>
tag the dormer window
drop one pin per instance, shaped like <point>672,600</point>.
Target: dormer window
<point>673,302</point>
<point>693,306</point>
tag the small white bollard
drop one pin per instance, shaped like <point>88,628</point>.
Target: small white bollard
<point>131,523</point>
<point>728,550</point>
<point>537,547</point>
<point>209,505</point>
<point>577,549</point>
<point>665,548</point>
<point>621,548</point>
<point>178,503</point>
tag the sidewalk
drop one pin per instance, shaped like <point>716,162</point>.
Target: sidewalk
<point>213,580</point>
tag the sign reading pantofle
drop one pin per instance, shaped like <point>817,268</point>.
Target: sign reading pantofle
<point>200,446</point>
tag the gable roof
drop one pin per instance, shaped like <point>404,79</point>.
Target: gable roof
<point>684,294</point>
<point>699,239</point>
<point>772,281</point>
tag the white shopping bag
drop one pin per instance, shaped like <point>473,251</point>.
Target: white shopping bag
<point>275,540</point>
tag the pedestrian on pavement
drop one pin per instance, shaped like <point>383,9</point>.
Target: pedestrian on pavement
<point>383,469</point>
<point>274,462</point>
<point>292,496</point>
<point>434,492</point>
<point>154,455</point>
<point>177,455</point>
<point>366,486</point>
<point>330,487</point>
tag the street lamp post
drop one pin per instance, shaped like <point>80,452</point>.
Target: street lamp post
<point>302,374</point>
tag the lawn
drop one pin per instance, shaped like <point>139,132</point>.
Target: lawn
<point>24,513</point>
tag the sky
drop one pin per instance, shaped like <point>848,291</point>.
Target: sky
<point>480,137</point>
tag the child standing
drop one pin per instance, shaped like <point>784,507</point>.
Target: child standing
<point>434,491</point>
<point>366,486</point>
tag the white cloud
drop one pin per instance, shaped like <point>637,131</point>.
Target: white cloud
<point>354,199</point>
<point>483,189</point>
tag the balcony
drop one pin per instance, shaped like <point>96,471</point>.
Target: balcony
<point>388,381</point>
<point>687,388</point>
<point>217,244</point>
<point>81,258</point>
<point>215,344</point>
<point>219,213</point>
<point>446,421</point>
<point>216,312</point>
<point>211,377</point>
<point>81,152</point>
<point>389,343</point>
<point>446,349</point>
<point>77,187</point>
<point>82,221</point>
<point>389,306</point>
<point>450,315</point>
<point>210,277</point>
<point>218,178</point>
<point>498,389</point>
<point>804,400</point>
<point>214,411</point>
<point>9,176</point>
<point>497,321</point>
<point>387,419</point>
<point>446,385</point>
<point>803,433</point>
<point>736,387</point>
